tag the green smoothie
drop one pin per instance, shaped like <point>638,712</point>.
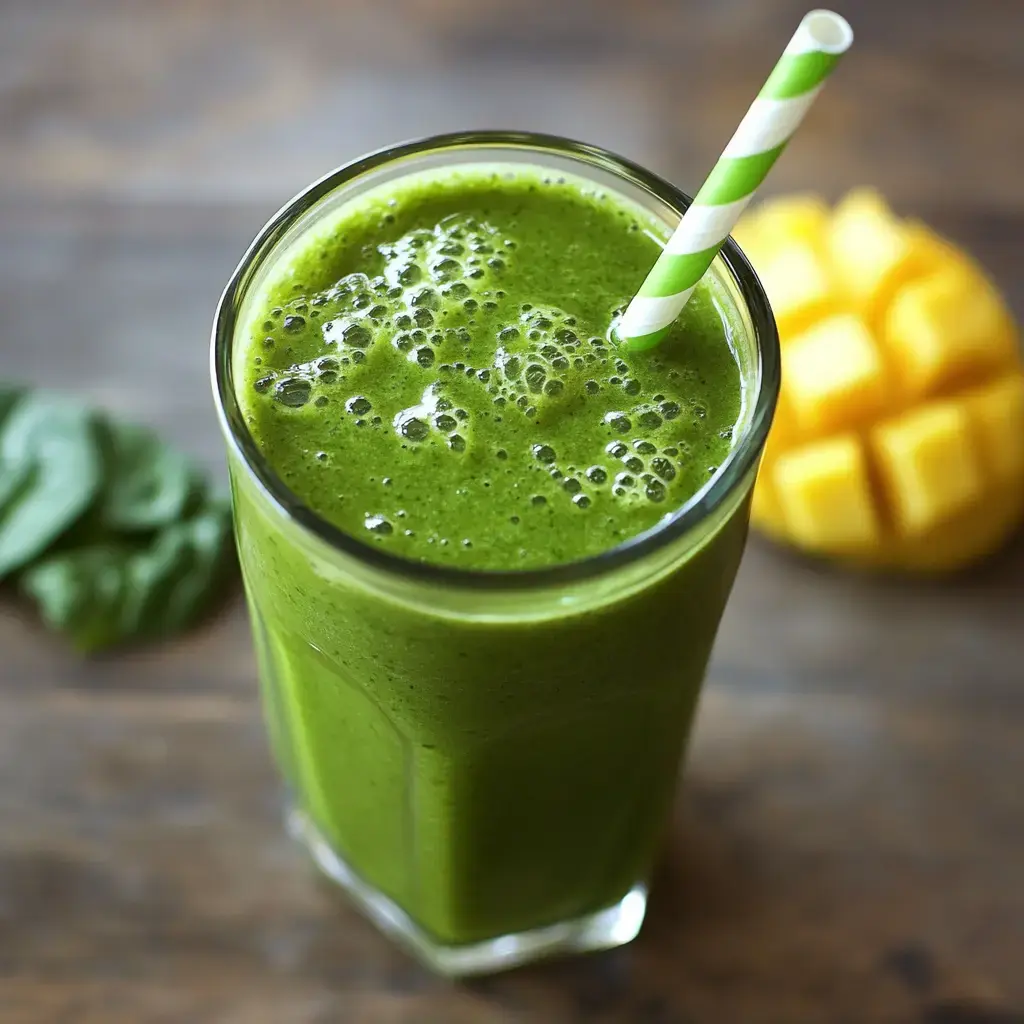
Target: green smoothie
<point>433,373</point>
<point>436,376</point>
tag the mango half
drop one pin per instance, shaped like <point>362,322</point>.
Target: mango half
<point>899,437</point>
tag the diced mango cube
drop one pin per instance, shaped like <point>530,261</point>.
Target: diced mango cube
<point>796,218</point>
<point>834,375</point>
<point>764,506</point>
<point>825,495</point>
<point>784,429</point>
<point>997,415</point>
<point>748,235</point>
<point>927,462</point>
<point>949,325</point>
<point>799,287</point>
<point>898,440</point>
<point>928,252</point>
<point>869,250</point>
<point>779,222</point>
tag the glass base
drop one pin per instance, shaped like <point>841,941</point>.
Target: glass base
<point>605,929</point>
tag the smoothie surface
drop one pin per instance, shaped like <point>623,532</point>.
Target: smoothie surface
<point>434,375</point>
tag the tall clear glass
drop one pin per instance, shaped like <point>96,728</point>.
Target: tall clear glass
<point>484,797</point>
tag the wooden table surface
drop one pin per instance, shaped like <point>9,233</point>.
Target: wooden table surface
<point>849,839</point>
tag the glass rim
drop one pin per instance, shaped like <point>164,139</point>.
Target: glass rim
<point>730,474</point>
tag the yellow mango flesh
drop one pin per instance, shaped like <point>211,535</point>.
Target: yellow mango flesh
<point>899,438</point>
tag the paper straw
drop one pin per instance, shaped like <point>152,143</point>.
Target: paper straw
<point>818,43</point>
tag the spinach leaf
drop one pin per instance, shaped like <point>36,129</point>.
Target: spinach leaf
<point>12,478</point>
<point>9,395</point>
<point>149,484</point>
<point>204,544</point>
<point>80,593</point>
<point>13,483</point>
<point>112,532</point>
<point>52,444</point>
<point>108,594</point>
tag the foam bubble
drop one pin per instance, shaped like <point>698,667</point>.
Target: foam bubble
<point>511,366</point>
<point>446,270</point>
<point>663,468</point>
<point>655,491</point>
<point>379,525</point>
<point>535,377</point>
<point>356,335</point>
<point>293,392</point>
<point>411,427</point>
<point>409,274</point>
<point>358,405</point>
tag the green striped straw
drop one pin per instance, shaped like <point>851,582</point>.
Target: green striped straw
<point>818,43</point>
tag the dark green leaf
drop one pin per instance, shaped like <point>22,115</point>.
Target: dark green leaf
<point>206,543</point>
<point>80,593</point>
<point>109,594</point>
<point>55,443</point>
<point>9,394</point>
<point>148,483</point>
<point>14,481</point>
<point>150,578</point>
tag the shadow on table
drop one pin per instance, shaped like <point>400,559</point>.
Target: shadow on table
<point>703,884</point>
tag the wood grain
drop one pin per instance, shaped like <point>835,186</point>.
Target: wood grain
<point>848,839</point>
